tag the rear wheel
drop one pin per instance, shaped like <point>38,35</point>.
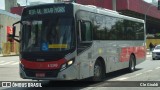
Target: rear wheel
<point>132,64</point>
<point>98,72</point>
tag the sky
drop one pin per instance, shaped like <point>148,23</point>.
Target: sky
<point>23,2</point>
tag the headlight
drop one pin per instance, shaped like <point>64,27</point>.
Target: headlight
<point>69,63</point>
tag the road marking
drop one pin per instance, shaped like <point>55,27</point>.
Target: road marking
<point>7,63</point>
<point>138,74</point>
<point>157,68</point>
<point>15,63</point>
<point>148,56</point>
<point>148,71</point>
<point>123,78</point>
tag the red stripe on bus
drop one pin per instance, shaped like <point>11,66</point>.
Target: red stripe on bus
<point>140,53</point>
<point>43,65</point>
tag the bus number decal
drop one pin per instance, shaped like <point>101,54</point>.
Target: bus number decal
<point>53,65</point>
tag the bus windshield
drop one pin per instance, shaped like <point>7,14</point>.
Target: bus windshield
<point>47,35</point>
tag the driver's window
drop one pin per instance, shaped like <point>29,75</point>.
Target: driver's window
<point>86,34</point>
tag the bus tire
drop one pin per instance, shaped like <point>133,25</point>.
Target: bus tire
<point>98,71</point>
<point>132,64</point>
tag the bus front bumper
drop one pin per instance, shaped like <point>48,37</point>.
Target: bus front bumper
<point>69,73</point>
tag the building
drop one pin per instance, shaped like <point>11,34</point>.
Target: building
<point>9,4</point>
<point>6,21</point>
<point>17,10</point>
<point>134,8</point>
<point>36,3</point>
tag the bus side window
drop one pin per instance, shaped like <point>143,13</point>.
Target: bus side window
<point>86,34</point>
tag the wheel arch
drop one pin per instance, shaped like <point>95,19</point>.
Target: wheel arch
<point>102,62</point>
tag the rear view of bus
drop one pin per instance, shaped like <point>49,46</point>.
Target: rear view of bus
<point>47,42</point>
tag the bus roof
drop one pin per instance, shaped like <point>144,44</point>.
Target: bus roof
<point>94,9</point>
<point>104,11</point>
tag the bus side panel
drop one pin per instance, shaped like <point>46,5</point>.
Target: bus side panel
<point>86,63</point>
<point>129,47</point>
<point>108,51</point>
<point>117,53</point>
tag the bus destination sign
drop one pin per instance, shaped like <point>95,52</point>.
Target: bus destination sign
<point>51,10</point>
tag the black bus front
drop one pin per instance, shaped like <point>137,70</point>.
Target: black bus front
<point>47,42</point>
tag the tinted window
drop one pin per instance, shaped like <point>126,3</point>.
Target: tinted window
<point>86,33</point>
<point>48,35</point>
<point>99,27</point>
<point>157,47</point>
<point>112,28</point>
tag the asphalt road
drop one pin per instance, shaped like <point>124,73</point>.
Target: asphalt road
<point>9,70</point>
<point>119,80</point>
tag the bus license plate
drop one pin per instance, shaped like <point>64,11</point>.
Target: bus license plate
<point>40,74</point>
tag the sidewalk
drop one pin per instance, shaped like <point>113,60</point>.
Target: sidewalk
<point>1,55</point>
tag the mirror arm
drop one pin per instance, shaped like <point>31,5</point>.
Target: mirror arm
<point>14,31</point>
<point>16,23</point>
<point>16,36</point>
<point>17,40</point>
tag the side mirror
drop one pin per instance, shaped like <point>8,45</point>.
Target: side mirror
<point>13,34</point>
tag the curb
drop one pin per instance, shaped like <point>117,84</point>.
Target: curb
<point>1,55</point>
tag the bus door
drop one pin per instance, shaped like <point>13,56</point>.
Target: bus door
<point>84,47</point>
